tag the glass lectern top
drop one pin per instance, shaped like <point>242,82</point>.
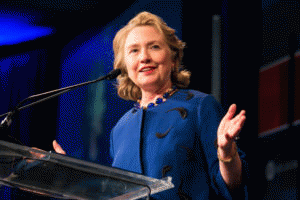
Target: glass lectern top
<point>64,177</point>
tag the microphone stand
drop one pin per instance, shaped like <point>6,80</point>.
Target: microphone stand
<point>9,115</point>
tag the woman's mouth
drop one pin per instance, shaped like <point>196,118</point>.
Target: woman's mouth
<point>147,70</point>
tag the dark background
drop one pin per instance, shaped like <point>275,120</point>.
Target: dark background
<point>253,36</point>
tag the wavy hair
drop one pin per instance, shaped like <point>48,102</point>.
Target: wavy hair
<point>179,77</point>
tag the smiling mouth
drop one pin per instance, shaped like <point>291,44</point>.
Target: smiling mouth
<point>148,69</point>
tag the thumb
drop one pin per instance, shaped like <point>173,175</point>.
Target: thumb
<point>58,148</point>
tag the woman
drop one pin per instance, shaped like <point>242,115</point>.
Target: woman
<point>171,131</point>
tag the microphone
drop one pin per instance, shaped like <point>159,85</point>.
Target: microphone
<point>113,74</point>
<point>54,93</point>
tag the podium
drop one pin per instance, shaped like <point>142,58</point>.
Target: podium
<point>64,177</point>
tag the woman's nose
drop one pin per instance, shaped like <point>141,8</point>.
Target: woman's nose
<point>145,57</point>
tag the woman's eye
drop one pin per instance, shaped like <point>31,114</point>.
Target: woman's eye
<point>133,50</point>
<point>155,47</point>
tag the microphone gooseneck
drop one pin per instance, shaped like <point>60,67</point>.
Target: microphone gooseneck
<point>51,94</point>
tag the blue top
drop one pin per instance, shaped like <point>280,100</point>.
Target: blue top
<point>175,138</point>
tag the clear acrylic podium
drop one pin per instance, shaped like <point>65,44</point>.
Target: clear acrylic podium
<point>63,177</point>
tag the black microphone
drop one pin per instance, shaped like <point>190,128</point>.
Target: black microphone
<point>113,74</point>
<point>9,116</point>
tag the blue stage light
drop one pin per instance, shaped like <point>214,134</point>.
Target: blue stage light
<point>14,31</point>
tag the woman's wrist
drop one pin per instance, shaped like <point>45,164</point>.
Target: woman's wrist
<point>227,159</point>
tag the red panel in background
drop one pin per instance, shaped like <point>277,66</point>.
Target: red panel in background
<point>273,96</point>
<point>297,89</point>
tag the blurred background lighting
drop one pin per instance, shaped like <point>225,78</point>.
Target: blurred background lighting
<point>14,30</point>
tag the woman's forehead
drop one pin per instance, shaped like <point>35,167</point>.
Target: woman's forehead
<point>143,35</point>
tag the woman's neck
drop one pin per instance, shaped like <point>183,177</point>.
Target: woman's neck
<point>149,96</point>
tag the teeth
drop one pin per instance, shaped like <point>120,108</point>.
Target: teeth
<point>146,69</point>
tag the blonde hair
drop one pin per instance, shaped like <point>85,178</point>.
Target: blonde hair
<point>126,88</point>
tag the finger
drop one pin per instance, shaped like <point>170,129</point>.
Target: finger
<point>225,141</point>
<point>238,117</point>
<point>231,111</point>
<point>228,116</point>
<point>236,129</point>
<point>35,155</point>
<point>58,148</point>
<point>240,122</point>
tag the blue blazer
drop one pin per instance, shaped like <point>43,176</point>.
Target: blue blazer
<point>177,139</point>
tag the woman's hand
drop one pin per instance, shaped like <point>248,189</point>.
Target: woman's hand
<point>228,130</point>
<point>58,148</point>
<point>229,159</point>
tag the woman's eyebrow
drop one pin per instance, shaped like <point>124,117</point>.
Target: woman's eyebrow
<point>148,43</point>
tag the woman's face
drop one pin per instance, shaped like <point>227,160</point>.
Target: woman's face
<point>148,58</point>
